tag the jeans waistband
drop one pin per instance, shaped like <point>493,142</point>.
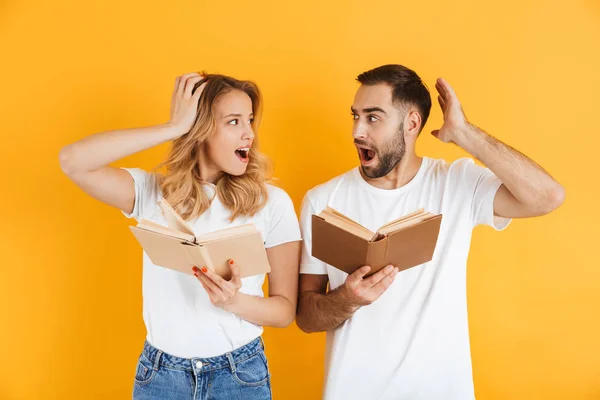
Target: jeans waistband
<point>229,359</point>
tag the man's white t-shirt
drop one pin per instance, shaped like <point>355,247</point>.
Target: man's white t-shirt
<point>179,317</point>
<point>413,342</point>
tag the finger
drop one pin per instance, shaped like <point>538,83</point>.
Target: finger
<point>378,276</point>
<point>199,90</point>
<point>189,85</point>
<point>441,90</point>
<point>183,81</point>
<point>235,273</point>
<point>216,279</point>
<point>358,275</point>
<point>385,283</point>
<point>442,103</point>
<point>176,87</point>
<point>210,292</point>
<point>206,280</point>
<point>447,88</point>
<point>215,291</point>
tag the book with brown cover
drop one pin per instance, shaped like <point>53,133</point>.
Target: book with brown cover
<point>176,247</point>
<point>346,245</point>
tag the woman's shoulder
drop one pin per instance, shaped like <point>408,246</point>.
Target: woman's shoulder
<point>277,196</point>
<point>141,175</point>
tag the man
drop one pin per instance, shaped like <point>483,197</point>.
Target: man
<point>405,335</point>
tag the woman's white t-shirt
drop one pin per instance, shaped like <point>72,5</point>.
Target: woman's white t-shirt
<point>179,317</point>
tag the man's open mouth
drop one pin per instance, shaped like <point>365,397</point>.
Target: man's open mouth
<point>365,154</point>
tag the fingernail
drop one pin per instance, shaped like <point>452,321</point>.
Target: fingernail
<point>204,269</point>
<point>231,262</point>
<point>389,268</point>
<point>196,274</point>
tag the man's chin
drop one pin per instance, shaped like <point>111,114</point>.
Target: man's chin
<point>370,171</point>
<point>377,170</point>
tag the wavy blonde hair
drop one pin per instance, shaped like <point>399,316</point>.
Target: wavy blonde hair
<point>181,183</point>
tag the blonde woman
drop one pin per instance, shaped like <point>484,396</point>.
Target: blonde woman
<point>203,333</point>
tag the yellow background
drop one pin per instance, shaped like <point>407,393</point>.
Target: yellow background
<point>526,71</point>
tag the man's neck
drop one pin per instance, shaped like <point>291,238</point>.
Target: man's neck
<point>402,173</point>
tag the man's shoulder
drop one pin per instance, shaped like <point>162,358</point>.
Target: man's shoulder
<point>321,192</point>
<point>445,166</point>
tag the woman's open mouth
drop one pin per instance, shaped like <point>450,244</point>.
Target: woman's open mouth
<point>243,153</point>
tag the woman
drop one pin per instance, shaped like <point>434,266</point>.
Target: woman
<point>204,333</point>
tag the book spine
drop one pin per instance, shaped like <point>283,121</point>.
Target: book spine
<point>377,254</point>
<point>206,257</point>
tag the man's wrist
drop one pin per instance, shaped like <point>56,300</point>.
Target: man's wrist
<point>470,138</point>
<point>342,298</point>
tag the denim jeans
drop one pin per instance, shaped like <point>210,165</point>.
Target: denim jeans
<point>240,374</point>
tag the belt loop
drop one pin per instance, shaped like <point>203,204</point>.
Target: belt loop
<point>231,362</point>
<point>157,360</point>
<point>262,341</point>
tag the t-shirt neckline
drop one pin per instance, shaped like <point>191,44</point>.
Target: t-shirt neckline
<point>392,192</point>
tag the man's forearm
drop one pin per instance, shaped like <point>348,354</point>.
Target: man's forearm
<point>319,312</point>
<point>528,182</point>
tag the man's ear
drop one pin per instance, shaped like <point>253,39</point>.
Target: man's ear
<point>412,124</point>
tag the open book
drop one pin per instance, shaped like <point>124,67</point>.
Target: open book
<point>176,247</point>
<point>345,244</point>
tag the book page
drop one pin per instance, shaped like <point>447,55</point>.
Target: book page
<point>173,219</point>
<point>336,214</point>
<point>226,233</point>
<point>406,223</point>
<point>403,218</point>
<point>157,228</point>
<point>341,221</point>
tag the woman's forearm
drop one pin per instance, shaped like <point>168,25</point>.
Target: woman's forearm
<point>275,311</point>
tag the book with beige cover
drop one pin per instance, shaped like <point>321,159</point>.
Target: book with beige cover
<point>346,245</point>
<point>176,247</point>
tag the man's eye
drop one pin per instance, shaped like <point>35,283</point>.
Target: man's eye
<point>372,118</point>
<point>354,117</point>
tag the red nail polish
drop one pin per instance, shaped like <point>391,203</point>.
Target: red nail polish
<point>196,274</point>
<point>204,269</point>
<point>230,262</point>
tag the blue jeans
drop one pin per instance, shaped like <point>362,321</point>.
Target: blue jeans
<point>240,374</point>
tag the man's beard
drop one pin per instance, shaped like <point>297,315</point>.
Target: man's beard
<point>388,157</point>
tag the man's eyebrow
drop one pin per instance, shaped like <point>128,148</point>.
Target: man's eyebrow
<point>369,110</point>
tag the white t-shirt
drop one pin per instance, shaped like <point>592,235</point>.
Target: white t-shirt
<point>179,317</point>
<point>413,342</point>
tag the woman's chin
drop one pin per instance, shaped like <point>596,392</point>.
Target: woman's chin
<point>236,171</point>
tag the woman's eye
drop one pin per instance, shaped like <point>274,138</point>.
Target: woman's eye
<point>251,121</point>
<point>233,122</point>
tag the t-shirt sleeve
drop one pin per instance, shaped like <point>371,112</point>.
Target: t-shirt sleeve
<point>482,185</point>
<point>283,224</point>
<point>146,193</point>
<point>308,263</point>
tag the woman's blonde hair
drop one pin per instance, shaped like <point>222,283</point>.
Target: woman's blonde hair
<point>181,183</point>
